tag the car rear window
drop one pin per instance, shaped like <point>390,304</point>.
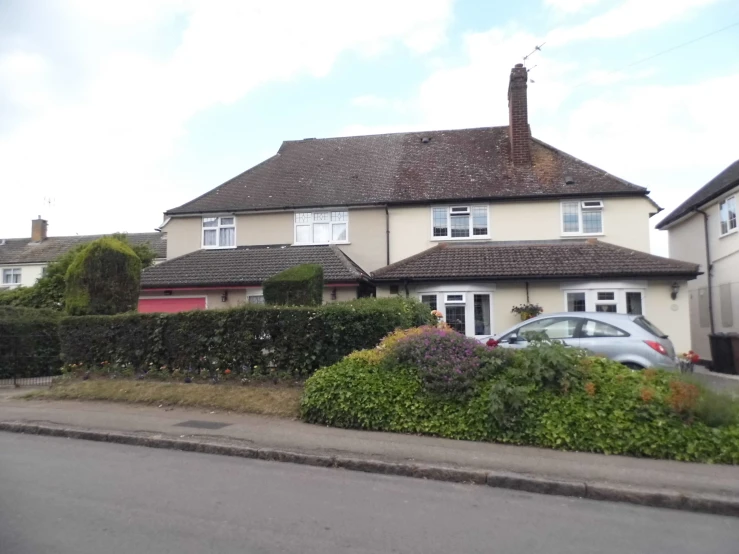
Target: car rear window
<point>649,327</point>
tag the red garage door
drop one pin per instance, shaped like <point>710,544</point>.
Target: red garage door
<point>173,304</point>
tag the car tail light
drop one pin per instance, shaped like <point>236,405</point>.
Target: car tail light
<point>492,343</point>
<point>654,345</point>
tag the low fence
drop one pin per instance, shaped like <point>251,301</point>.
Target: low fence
<point>17,382</point>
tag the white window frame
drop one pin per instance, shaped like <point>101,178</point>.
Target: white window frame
<point>615,302</point>
<point>12,271</point>
<point>581,206</point>
<point>642,293</point>
<point>470,208</point>
<point>591,290</point>
<point>575,291</point>
<point>312,222</point>
<point>442,290</point>
<point>729,228</point>
<point>461,301</point>
<point>217,229</point>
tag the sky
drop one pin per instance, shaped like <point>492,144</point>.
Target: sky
<point>113,112</point>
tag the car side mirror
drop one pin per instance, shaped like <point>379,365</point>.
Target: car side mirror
<point>513,339</point>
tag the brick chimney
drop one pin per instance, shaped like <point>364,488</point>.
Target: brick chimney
<point>38,230</point>
<point>518,117</point>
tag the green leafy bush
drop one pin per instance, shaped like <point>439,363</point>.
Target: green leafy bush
<point>48,291</point>
<point>301,285</point>
<point>103,279</point>
<point>248,340</point>
<point>29,342</point>
<point>447,362</point>
<point>541,396</point>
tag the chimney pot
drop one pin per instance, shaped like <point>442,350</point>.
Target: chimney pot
<point>38,230</point>
<point>518,117</point>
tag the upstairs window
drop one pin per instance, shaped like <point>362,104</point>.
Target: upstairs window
<point>582,218</point>
<point>321,227</point>
<point>12,276</point>
<point>458,222</point>
<point>219,232</point>
<point>727,208</point>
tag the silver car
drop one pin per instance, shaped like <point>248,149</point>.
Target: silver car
<point>630,339</point>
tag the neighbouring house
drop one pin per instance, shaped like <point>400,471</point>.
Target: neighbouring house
<point>23,261</point>
<point>470,221</point>
<point>703,230</point>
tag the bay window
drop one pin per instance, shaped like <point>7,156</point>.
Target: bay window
<point>458,222</point>
<point>582,217</point>
<point>219,232</point>
<point>321,227</point>
<point>727,210</point>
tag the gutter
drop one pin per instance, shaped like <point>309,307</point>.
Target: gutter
<point>387,236</point>
<point>708,269</point>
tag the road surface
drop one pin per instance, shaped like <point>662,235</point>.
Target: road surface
<point>70,496</point>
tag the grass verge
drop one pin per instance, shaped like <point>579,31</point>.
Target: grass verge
<point>276,400</point>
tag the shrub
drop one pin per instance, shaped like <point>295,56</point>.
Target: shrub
<point>541,396</point>
<point>29,342</point>
<point>717,409</point>
<point>248,340</point>
<point>48,291</point>
<point>301,285</point>
<point>447,362</point>
<point>103,279</point>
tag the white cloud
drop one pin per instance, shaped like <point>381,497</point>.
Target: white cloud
<point>629,17</point>
<point>370,101</point>
<point>103,154</point>
<point>571,6</point>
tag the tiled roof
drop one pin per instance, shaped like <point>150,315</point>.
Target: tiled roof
<point>23,251</point>
<point>565,259</point>
<point>721,183</point>
<point>466,164</point>
<point>248,265</point>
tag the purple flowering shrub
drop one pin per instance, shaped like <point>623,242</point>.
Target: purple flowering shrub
<point>448,362</point>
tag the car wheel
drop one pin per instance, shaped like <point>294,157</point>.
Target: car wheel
<point>632,366</point>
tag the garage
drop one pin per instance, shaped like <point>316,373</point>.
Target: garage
<point>171,304</point>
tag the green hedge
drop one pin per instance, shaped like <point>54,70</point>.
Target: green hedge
<point>103,279</point>
<point>595,405</point>
<point>249,340</point>
<point>29,342</point>
<point>301,285</point>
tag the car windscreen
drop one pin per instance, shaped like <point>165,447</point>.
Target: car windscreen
<point>650,327</point>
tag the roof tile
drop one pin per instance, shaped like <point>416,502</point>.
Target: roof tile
<point>248,265</point>
<point>565,259</point>
<point>402,168</point>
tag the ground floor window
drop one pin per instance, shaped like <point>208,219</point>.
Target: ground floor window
<point>256,299</point>
<point>482,314</point>
<point>468,312</point>
<point>634,303</point>
<point>576,302</point>
<point>430,301</point>
<point>611,301</point>
<point>455,317</point>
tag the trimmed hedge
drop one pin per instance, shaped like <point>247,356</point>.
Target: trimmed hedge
<point>103,279</point>
<point>248,340</point>
<point>301,285</point>
<point>539,396</point>
<point>29,342</point>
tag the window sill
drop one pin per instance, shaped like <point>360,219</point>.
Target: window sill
<point>732,232</point>
<point>340,243</point>
<point>577,235</point>
<point>217,247</point>
<point>444,239</point>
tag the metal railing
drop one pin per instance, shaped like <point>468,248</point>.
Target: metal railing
<point>17,382</point>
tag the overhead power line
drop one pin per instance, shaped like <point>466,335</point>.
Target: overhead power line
<point>663,52</point>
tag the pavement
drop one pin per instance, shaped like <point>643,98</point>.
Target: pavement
<point>644,481</point>
<point>80,497</point>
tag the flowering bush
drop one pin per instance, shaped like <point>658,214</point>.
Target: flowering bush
<point>448,362</point>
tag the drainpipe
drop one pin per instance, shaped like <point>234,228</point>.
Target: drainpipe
<point>387,236</point>
<point>708,269</point>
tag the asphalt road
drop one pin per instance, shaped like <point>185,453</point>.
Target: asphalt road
<point>70,496</point>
